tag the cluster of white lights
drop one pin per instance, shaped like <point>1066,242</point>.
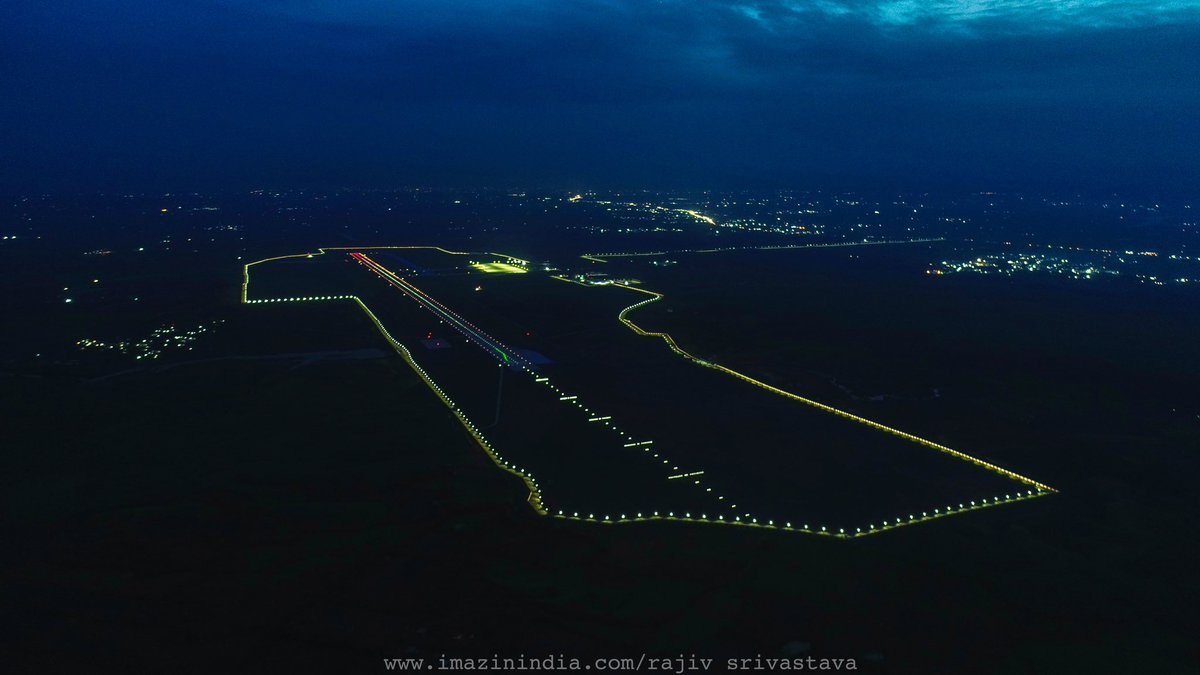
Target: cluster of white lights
<point>1099,262</point>
<point>1010,264</point>
<point>161,340</point>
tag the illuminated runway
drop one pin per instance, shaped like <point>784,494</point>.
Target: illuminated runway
<point>673,471</point>
<point>503,354</point>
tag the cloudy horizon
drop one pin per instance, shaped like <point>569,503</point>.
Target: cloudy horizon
<point>707,94</point>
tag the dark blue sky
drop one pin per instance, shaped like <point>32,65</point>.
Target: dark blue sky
<point>236,94</point>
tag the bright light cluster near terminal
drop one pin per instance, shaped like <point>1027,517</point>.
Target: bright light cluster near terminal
<point>498,268</point>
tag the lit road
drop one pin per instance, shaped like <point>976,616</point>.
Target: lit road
<point>497,349</point>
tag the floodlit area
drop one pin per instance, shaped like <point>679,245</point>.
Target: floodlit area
<point>498,268</point>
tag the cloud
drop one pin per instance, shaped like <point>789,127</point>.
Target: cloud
<point>967,16</point>
<point>671,47</point>
<point>753,87</point>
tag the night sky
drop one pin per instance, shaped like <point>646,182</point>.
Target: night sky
<point>919,94</point>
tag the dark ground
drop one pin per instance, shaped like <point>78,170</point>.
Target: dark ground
<point>325,540</point>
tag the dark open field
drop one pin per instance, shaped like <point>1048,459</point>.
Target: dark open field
<point>258,515</point>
